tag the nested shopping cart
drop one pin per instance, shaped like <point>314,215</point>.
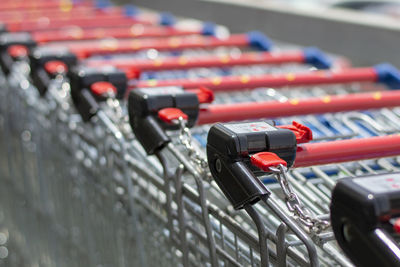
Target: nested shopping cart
<point>144,111</point>
<point>75,165</point>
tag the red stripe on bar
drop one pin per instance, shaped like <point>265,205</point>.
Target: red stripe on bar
<point>204,61</point>
<point>347,150</point>
<point>21,15</point>
<point>136,30</point>
<point>232,83</point>
<point>16,5</point>
<point>273,109</point>
<point>103,20</point>
<point>86,49</point>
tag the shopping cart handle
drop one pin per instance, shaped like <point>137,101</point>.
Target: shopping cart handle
<point>83,81</point>
<point>136,66</point>
<point>144,106</point>
<point>295,107</point>
<point>48,62</point>
<point>229,150</point>
<point>338,151</point>
<point>385,74</point>
<point>364,213</point>
<point>20,5</point>
<point>173,43</point>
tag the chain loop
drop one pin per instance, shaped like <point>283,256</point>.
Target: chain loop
<point>185,138</point>
<point>294,204</point>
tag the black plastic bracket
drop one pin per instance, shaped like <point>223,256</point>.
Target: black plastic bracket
<point>81,80</point>
<point>9,39</point>
<point>362,211</point>
<point>229,147</point>
<point>39,56</point>
<point>143,106</point>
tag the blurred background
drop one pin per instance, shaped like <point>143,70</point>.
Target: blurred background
<point>364,31</point>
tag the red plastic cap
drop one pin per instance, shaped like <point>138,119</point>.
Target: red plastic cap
<point>103,88</point>
<point>55,67</point>
<point>17,51</point>
<point>204,94</point>
<point>303,133</point>
<point>266,160</point>
<point>132,73</point>
<point>169,115</point>
<point>396,226</point>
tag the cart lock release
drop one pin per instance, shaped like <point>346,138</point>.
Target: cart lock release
<point>14,46</point>
<point>48,62</point>
<point>238,153</point>
<point>154,110</point>
<point>92,85</point>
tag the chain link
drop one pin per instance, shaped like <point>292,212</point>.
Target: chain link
<point>294,204</point>
<point>185,138</point>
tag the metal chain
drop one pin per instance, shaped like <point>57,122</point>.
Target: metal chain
<point>185,137</point>
<point>294,204</point>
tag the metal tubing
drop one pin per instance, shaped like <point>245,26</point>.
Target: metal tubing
<point>295,107</point>
<point>31,5</point>
<point>106,20</point>
<point>234,83</point>
<point>211,61</point>
<point>347,150</point>
<point>130,31</point>
<point>86,49</point>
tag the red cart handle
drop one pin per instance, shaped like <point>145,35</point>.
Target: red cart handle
<point>136,31</point>
<point>384,73</point>
<point>86,49</point>
<point>293,107</point>
<point>26,5</point>
<point>104,20</point>
<point>347,150</point>
<point>62,12</point>
<point>310,55</point>
<point>70,11</point>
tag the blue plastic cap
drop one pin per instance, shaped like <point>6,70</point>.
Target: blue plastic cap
<point>388,75</point>
<point>131,10</point>
<point>102,4</point>
<point>167,19</point>
<point>259,40</point>
<point>209,28</point>
<point>317,58</point>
